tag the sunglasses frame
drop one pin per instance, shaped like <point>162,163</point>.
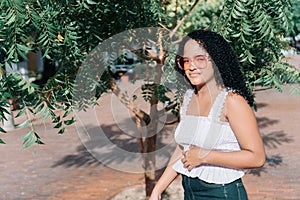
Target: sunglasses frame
<point>179,60</point>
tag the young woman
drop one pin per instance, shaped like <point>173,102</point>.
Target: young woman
<point>217,137</point>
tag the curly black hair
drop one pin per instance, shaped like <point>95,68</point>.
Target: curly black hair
<point>226,65</point>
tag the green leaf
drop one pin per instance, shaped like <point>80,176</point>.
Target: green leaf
<point>58,125</point>
<point>28,135</point>
<point>278,83</point>
<point>46,116</point>
<point>12,18</point>
<point>240,7</point>
<point>69,122</point>
<point>23,124</point>
<point>266,32</point>
<point>2,130</point>
<point>248,2</point>
<point>21,112</point>
<point>22,83</point>
<point>294,90</point>
<point>67,113</point>
<point>30,139</point>
<point>2,142</point>
<point>61,131</point>
<point>55,119</point>
<point>236,35</point>
<point>236,14</point>
<point>23,47</point>
<point>38,140</point>
<point>39,108</point>
<point>91,2</point>
<point>31,90</point>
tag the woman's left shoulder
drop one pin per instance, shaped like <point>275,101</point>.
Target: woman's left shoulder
<point>235,101</point>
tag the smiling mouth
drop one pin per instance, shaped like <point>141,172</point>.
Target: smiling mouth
<point>194,74</point>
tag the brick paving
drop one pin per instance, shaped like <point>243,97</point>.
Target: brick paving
<point>278,116</point>
<point>64,170</point>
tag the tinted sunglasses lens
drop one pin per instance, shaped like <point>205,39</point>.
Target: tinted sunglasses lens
<point>180,63</point>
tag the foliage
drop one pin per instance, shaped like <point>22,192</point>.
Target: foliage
<point>295,22</point>
<point>202,16</point>
<point>256,30</point>
<point>68,30</point>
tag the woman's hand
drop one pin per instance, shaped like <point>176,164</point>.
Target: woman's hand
<point>193,157</point>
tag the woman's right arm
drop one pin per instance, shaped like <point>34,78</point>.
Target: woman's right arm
<point>167,177</point>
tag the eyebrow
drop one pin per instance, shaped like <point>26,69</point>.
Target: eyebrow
<point>194,56</point>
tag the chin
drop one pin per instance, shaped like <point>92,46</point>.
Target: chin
<point>197,82</point>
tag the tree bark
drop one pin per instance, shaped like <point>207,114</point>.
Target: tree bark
<point>150,148</point>
<point>150,141</point>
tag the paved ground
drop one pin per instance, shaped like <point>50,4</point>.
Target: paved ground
<point>64,170</point>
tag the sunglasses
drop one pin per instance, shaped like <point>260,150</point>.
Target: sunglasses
<point>199,61</point>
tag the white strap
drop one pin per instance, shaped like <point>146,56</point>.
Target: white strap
<point>185,103</point>
<point>218,105</point>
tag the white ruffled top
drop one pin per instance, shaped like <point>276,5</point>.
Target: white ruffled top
<point>208,133</point>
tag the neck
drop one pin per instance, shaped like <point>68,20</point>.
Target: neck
<point>204,98</point>
<point>211,89</point>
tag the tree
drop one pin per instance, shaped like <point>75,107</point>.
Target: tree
<point>67,31</point>
<point>295,22</point>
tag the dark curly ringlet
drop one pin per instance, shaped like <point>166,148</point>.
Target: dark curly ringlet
<point>224,59</point>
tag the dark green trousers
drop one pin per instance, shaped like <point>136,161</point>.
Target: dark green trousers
<point>196,189</point>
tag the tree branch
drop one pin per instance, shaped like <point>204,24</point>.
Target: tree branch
<point>183,19</point>
<point>129,103</point>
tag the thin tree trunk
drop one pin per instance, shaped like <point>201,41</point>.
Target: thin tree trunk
<point>150,142</point>
<point>129,103</point>
<point>150,147</point>
<point>150,163</point>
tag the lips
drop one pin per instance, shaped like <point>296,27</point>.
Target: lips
<point>194,74</point>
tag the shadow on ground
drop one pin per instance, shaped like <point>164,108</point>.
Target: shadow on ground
<point>117,139</point>
<point>271,140</point>
<point>128,143</point>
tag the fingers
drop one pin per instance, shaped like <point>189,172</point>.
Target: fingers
<point>186,164</point>
<point>188,158</point>
<point>183,159</point>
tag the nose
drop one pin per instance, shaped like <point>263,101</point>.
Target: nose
<point>192,65</point>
